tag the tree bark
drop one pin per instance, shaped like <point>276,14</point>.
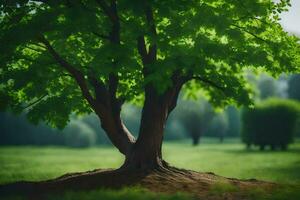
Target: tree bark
<point>146,152</point>
<point>116,131</point>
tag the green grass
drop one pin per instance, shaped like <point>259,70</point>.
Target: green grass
<point>281,193</point>
<point>233,160</point>
<point>106,194</point>
<point>229,159</point>
<point>40,163</point>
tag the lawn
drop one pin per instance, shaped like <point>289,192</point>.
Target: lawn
<point>229,159</point>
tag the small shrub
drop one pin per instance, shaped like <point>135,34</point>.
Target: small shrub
<point>271,122</point>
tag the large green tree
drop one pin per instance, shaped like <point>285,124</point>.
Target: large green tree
<point>82,56</point>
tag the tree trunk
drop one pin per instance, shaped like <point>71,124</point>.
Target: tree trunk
<point>196,140</point>
<point>146,152</point>
<point>262,147</point>
<point>221,138</point>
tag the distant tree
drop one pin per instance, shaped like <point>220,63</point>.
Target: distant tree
<point>234,121</point>
<point>219,126</point>
<point>174,129</point>
<point>294,87</point>
<point>64,57</point>
<point>294,93</point>
<point>78,134</point>
<point>195,118</point>
<point>267,87</point>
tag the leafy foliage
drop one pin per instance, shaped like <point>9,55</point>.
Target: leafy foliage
<point>212,41</point>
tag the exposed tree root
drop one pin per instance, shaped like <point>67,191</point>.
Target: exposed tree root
<point>165,180</point>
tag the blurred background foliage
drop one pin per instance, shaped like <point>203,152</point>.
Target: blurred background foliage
<point>271,123</point>
<point>192,119</point>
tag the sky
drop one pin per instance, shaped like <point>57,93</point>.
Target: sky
<point>291,20</point>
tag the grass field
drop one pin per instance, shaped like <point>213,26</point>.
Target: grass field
<point>229,159</point>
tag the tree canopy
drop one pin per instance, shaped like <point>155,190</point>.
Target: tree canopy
<point>57,57</point>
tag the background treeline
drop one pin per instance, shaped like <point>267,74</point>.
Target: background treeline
<point>192,119</point>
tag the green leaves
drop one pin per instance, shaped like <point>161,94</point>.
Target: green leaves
<point>214,39</point>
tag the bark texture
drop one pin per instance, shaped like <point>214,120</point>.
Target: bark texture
<point>146,152</point>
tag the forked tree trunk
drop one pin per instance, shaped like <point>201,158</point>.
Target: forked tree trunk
<point>145,152</point>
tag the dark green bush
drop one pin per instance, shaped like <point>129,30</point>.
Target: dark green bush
<point>271,123</point>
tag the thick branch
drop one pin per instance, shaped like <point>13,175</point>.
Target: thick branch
<point>173,93</point>
<point>114,37</point>
<point>100,90</point>
<point>141,46</point>
<point>111,119</point>
<point>113,85</point>
<point>150,20</point>
<point>149,56</point>
<point>76,74</point>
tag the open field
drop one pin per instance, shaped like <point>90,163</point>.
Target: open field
<point>229,159</point>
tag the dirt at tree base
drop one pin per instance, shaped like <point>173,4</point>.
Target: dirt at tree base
<point>167,180</point>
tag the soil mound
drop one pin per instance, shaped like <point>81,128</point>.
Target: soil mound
<point>164,180</point>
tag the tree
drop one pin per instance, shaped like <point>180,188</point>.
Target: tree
<point>293,88</point>
<point>63,57</point>
<point>79,135</point>
<point>219,126</point>
<point>234,121</point>
<point>196,118</point>
<point>267,87</point>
